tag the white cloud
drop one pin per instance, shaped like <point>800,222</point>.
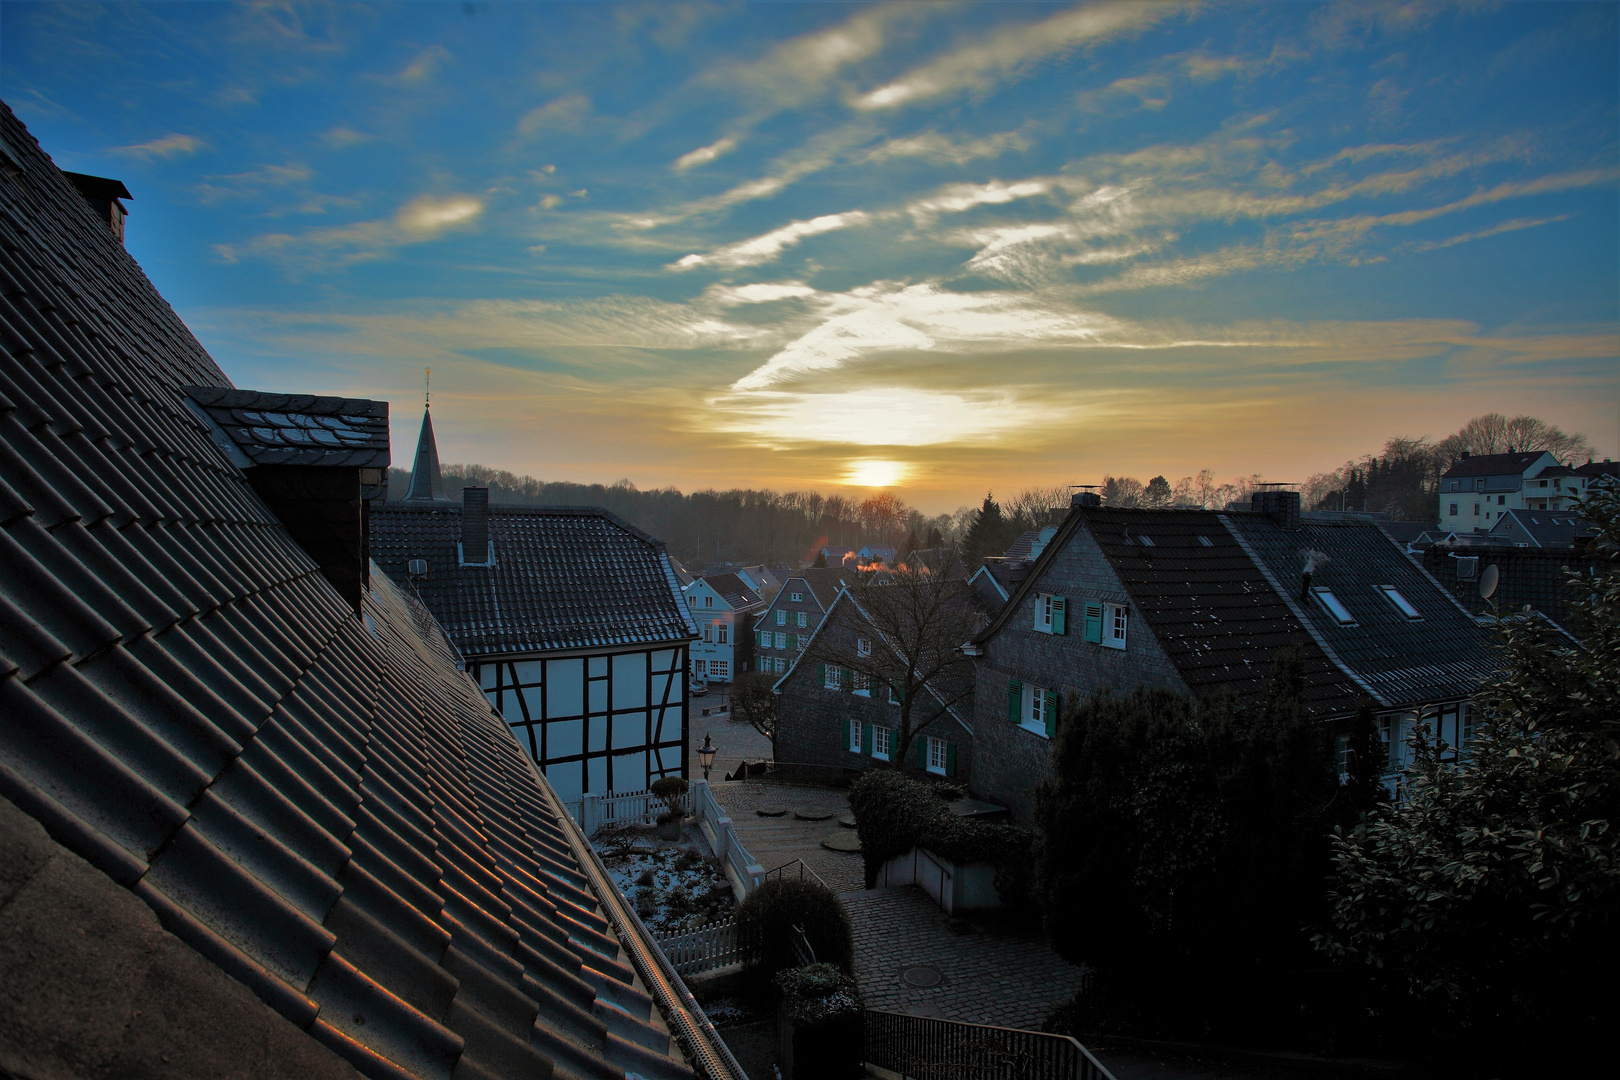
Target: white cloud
<point>881,416</point>
<point>932,146</point>
<point>956,198</point>
<point>763,249</point>
<point>704,154</point>
<point>167,146</point>
<point>560,114</point>
<point>760,293</point>
<point>426,216</point>
<point>319,250</point>
<point>1011,51</point>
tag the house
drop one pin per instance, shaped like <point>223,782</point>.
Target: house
<point>783,628</point>
<point>1478,488</point>
<point>833,717</point>
<point>837,556</point>
<point>1533,578</point>
<point>723,607</point>
<point>1540,529</point>
<point>1030,544</point>
<point>567,617</point>
<point>765,580</point>
<point>872,555</point>
<point>255,820</point>
<point>1202,602</point>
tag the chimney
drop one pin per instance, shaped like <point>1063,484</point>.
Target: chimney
<point>475,545</point>
<point>1017,571</point>
<point>103,194</point>
<point>1280,506</point>
<point>1085,498</point>
<point>1465,455</point>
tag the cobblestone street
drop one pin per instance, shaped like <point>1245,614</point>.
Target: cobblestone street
<point>774,841</point>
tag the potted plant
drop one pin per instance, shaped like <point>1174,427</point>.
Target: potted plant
<point>819,1023</point>
<point>670,789</point>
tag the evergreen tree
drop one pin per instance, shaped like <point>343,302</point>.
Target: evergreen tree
<point>987,536</point>
<point>821,560</point>
<point>935,539</point>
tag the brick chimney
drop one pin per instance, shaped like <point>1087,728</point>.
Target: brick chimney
<point>103,194</point>
<point>476,549</point>
<point>1280,506</point>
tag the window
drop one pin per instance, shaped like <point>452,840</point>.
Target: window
<point>1050,612</point>
<point>854,729</point>
<point>1501,500</point>
<point>797,598</point>
<point>1476,509</point>
<point>1386,736</point>
<point>832,677</point>
<point>804,619</point>
<point>699,666</point>
<point>1453,486</point>
<point>720,633</point>
<point>1453,509</point>
<point>861,683</point>
<point>781,617</point>
<point>1479,485</point>
<point>1402,604</point>
<point>1541,483</point>
<point>781,640</point>
<point>720,669</point>
<point>894,698</point>
<point>881,741</point>
<point>1147,541</point>
<point>1206,541</point>
<point>708,601</point>
<point>939,758</point>
<point>1116,621</point>
<point>764,639</point>
<point>708,633</point>
<point>863,647</point>
<point>1333,607</point>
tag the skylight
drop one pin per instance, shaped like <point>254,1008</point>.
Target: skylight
<point>1340,613</point>
<point>1206,541</point>
<point>1147,541</point>
<point>1402,604</point>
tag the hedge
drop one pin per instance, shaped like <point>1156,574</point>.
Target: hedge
<point>895,813</point>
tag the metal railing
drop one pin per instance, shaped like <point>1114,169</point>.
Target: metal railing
<point>925,1048</point>
<point>704,949</point>
<point>799,869</point>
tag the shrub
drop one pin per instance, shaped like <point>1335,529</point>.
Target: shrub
<point>824,1005</point>
<point>766,920</point>
<point>670,789</point>
<point>895,813</point>
<point>818,992</point>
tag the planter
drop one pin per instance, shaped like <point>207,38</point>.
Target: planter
<point>669,828</point>
<point>820,1024</point>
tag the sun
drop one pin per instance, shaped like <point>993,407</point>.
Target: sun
<point>874,473</point>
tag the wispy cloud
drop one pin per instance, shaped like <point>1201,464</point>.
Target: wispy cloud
<point>1495,230</point>
<point>956,198</point>
<point>941,149</point>
<point>1011,52</point>
<point>319,250</point>
<point>765,248</point>
<point>704,154</point>
<point>166,147</point>
<point>425,64</point>
<point>560,114</point>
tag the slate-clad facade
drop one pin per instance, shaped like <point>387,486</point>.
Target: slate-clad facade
<point>574,630</point>
<point>311,798</point>
<point>1202,603</point>
<point>783,629</point>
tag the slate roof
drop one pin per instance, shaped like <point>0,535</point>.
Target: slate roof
<point>565,577</point>
<point>1524,576</point>
<point>1400,660</point>
<point>1599,468</point>
<point>1208,605</point>
<point>1545,528</point>
<point>1405,532</point>
<point>823,582</point>
<point>734,591</point>
<point>1491,465</point>
<point>321,805</point>
<point>1021,547</point>
<point>298,429</point>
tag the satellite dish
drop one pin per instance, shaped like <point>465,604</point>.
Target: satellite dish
<point>1488,582</point>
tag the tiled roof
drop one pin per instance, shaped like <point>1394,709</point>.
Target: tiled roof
<point>734,591</point>
<point>1551,471</point>
<point>1405,532</point>
<point>824,582</point>
<point>1524,576</point>
<point>298,429</point>
<point>1547,528</point>
<point>1599,468</point>
<point>565,577</point>
<point>1021,547</point>
<point>1492,464</point>
<point>1399,659</point>
<point>319,804</point>
<point>1209,606</point>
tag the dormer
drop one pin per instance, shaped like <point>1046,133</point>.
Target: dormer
<point>103,195</point>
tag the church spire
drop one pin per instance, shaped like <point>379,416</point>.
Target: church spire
<point>426,485</point>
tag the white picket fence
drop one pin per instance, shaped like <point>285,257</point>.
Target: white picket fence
<point>703,949</point>
<point>592,812</point>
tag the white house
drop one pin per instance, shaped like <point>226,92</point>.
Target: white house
<point>1478,489</point>
<point>722,606</point>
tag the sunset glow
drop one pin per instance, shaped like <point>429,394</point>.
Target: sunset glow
<point>875,473</point>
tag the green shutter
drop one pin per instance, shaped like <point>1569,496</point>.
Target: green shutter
<point>1015,702</point>
<point>950,759</point>
<point>845,723</point>
<point>1051,713</point>
<point>866,739</point>
<point>922,751</point>
<point>821,674</point>
<point>846,679</point>
<point>793,641</point>
<point>894,745</point>
<point>1060,615</point>
<point>1094,619</point>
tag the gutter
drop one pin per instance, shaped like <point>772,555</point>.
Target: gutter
<point>710,1055</point>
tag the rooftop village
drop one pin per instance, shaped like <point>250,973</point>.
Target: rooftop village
<point>301,779</point>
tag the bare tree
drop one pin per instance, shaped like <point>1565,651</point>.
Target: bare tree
<point>903,637</point>
<point>1032,507</point>
<point>753,701</point>
<point>1494,433</point>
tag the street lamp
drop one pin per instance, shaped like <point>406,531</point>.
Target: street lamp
<point>706,755</point>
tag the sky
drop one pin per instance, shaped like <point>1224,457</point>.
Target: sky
<point>944,247</point>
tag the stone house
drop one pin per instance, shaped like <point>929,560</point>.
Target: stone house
<point>783,628</point>
<point>834,717</point>
<point>1202,602</point>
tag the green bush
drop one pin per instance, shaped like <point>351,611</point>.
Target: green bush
<point>824,1005</point>
<point>895,813</point>
<point>766,919</point>
<point>818,992</point>
<point>670,789</point>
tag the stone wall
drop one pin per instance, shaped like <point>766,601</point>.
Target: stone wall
<point>1011,759</point>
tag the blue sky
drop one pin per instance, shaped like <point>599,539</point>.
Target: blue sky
<point>761,244</point>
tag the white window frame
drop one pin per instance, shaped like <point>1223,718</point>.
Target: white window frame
<point>863,646</point>
<point>781,665</point>
<point>720,633</point>
<point>854,736</point>
<point>720,669</point>
<point>708,601</point>
<point>832,678</point>
<point>1043,613</point>
<point>1453,510</point>
<point>781,617</point>
<point>804,620</point>
<point>700,667</point>
<point>780,640</point>
<point>1032,710</point>
<point>938,755</point>
<point>797,598</point>
<point>860,683</point>
<point>880,738</point>
<point>1116,625</point>
<point>708,633</point>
